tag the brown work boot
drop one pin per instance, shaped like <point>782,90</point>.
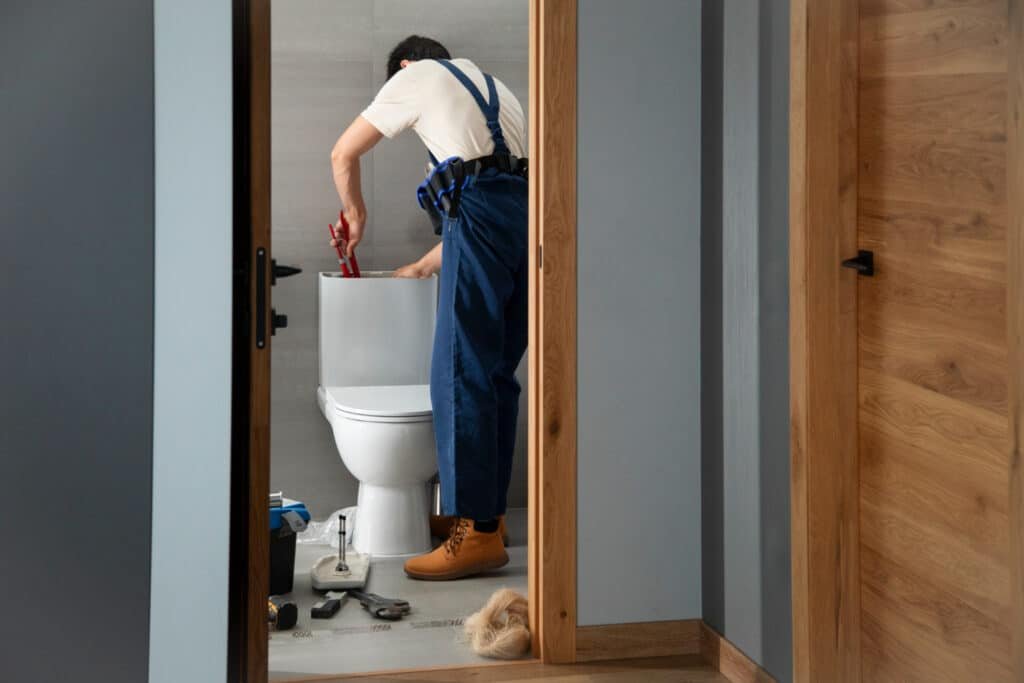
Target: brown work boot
<point>466,552</point>
<point>441,526</point>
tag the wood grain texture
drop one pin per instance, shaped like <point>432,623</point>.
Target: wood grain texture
<point>930,38</point>
<point>920,623</point>
<point>553,331</point>
<point>729,660</point>
<point>682,669</point>
<point>258,575</point>
<point>964,504</point>
<point>647,639</point>
<point>961,240</point>
<point>824,471</point>
<point>798,342</point>
<point>933,341</point>
<point>533,488</point>
<point>934,140</point>
<point>1015,316</point>
<point>870,8</point>
<point>914,295</point>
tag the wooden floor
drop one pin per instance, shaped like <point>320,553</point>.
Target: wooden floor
<point>690,669</point>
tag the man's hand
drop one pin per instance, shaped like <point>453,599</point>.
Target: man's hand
<point>356,224</point>
<point>424,268</point>
<point>413,271</point>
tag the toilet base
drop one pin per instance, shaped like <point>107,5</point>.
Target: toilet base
<point>392,521</point>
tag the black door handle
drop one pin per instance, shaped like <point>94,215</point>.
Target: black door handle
<point>277,320</point>
<point>277,271</point>
<point>261,297</point>
<point>863,263</point>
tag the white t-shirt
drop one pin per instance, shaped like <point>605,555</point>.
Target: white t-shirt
<point>428,98</point>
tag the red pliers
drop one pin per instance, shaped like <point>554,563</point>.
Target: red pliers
<point>349,266</point>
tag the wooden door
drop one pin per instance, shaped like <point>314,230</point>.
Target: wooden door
<point>250,447</point>
<point>935,571</point>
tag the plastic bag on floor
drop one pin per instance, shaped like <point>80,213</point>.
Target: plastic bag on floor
<point>326,532</point>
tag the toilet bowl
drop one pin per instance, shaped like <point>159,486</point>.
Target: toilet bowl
<point>375,339</point>
<point>385,436</point>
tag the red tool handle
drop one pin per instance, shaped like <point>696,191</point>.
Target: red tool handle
<point>352,260</point>
<point>349,266</point>
<point>341,252</point>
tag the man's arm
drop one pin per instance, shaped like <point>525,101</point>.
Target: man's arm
<point>357,140</point>
<point>425,267</point>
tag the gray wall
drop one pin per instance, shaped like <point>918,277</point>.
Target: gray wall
<point>76,267</point>
<point>744,254</point>
<point>639,545</point>
<point>740,321</point>
<point>192,354</point>
<point>329,60</point>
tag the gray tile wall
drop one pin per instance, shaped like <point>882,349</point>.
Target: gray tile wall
<point>329,59</point>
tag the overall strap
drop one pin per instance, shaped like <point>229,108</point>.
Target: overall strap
<point>489,107</point>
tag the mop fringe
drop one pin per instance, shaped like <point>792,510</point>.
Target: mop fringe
<point>501,630</point>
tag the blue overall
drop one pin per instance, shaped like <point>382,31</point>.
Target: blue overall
<point>480,334</point>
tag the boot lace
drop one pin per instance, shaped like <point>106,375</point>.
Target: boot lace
<point>459,530</point>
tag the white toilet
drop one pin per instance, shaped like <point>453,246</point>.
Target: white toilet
<point>376,334</point>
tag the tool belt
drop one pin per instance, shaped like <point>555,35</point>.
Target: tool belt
<point>439,194</point>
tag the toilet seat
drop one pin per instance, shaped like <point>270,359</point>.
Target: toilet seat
<point>400,403</point>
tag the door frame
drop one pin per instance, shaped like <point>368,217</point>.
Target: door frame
<point>824,475</point>
<point>823,333</point>
<point>552,337</point>
<point>1015,335</point>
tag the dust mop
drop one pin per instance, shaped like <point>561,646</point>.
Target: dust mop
<point>342,571</point>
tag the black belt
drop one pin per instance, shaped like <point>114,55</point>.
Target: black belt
<point>441,191</point>
<point>505,163</point>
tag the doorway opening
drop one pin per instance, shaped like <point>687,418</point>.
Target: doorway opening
<point>299,80</point>
<point>328,60</point>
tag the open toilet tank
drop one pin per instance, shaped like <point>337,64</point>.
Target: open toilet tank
<point>374,349</point>
<point>374,330</point>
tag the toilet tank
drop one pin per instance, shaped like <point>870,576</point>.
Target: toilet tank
<point>375,330</point>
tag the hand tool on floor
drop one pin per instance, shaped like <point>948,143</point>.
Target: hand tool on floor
<point>282,614</point>
<point>349,266</point>
<point>343,571</point>
<point>329,606</point>
<point>380,607</point>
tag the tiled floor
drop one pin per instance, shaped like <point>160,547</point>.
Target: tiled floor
<point>353,642</point>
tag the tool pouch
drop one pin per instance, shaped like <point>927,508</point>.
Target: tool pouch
<point>439,193</point>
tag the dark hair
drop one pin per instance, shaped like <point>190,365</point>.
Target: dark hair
<point>413,48</point>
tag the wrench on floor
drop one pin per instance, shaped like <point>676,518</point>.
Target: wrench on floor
<point>380,607</point>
